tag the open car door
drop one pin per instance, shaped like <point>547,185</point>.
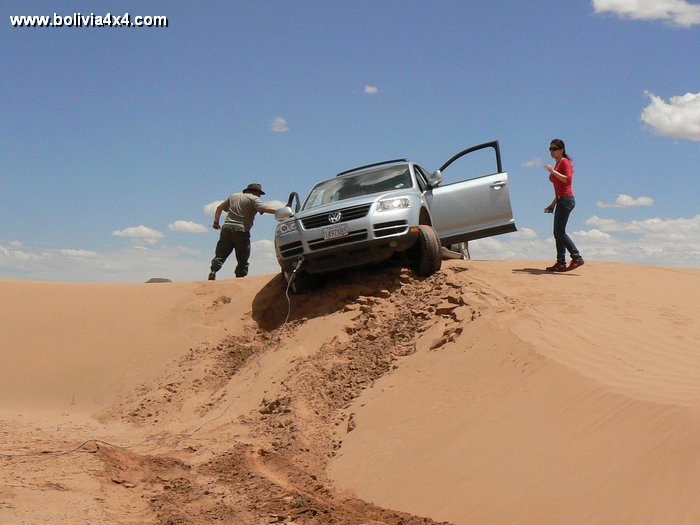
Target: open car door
<point>477,206</point>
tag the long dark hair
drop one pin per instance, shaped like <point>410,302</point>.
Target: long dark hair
<point>560,144</point>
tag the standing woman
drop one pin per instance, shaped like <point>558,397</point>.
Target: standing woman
<point>562,175</point>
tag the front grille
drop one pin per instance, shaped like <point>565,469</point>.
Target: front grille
<point>389,228</point>
<point>353,236</point>
<point>347,214</point>
<point>291,249</point>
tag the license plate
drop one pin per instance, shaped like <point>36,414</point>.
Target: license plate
<point>337,230</point>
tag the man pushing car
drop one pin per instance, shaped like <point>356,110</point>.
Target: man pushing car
<point>235,232</point>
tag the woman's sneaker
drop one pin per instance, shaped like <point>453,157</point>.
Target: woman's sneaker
<point>556,267</point>
<point>575,263</point>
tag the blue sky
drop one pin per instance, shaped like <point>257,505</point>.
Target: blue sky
<point>116,141</point>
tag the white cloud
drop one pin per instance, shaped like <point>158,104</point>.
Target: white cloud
<point>524,244</point>
<point>594,235</point>
<point>688,227</point>
<point>275,204</point>
<point>626,201</point>
<point>525,234</point>
<point>279,125</point>
<point>12,253</point>
<point>135,264</point>
<point>667,242</point>
<point>140,233</point>
<point>263,257</point>
<point>534,163</point>
<point>678,118</point>
<point>606,224</point>
<point>187,227</point>
<point>652,241</point>
<point>83,254</point>
<point>677,12</point>
<point>371,90</point>
<point>210,209</point>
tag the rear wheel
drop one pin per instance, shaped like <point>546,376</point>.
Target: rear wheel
<point>425,253</point>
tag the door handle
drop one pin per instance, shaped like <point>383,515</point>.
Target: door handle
<point>498,185</point>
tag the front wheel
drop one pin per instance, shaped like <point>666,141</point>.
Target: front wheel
<point>425,253</point>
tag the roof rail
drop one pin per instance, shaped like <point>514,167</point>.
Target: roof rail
<point>371,166</point>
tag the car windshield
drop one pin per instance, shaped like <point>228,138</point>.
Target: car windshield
<point>367,183</point>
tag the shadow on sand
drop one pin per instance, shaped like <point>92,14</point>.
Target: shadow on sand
<point>331,293</point>
<point>538,271</point>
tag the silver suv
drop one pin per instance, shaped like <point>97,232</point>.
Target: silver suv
<point>388,209</point>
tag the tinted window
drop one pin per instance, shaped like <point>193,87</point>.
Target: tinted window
<point>421,177</point>
<point>367,183</point>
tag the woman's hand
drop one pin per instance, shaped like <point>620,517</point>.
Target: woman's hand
<point>549,209</point>
<point>549,168</point>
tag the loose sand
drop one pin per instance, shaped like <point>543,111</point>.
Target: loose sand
<point>489,393</point>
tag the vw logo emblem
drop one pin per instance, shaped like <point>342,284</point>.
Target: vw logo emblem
<point>335,217</point>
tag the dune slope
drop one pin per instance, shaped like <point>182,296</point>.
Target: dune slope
<point>489,393</point>
<point>574,398</point>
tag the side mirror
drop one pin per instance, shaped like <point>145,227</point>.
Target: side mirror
<point>282,214</point>
<point>292,196</point>
<point>435,178</point>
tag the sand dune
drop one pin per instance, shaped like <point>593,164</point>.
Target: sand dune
<point>491,392</point>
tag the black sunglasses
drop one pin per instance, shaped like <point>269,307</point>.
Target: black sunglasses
<point>554,149</point>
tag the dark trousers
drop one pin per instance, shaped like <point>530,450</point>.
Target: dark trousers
<point>230,240</point>
<point>563,209</point>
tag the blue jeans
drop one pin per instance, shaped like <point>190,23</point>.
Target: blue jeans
<point>563,209</point>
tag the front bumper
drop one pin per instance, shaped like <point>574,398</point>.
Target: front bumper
<point>366,242</point>
<point>351,255</point>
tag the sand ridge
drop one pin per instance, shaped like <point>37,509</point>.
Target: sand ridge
<point>451,398</point>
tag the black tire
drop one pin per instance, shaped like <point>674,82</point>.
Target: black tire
<point>461,248</point>
<point>425,253</point>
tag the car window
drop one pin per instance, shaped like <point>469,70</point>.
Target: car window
<point>367,183</point>
<point>421,177</point>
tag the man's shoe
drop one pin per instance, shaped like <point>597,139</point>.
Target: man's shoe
<point>575,263</point>
<point>212,276</point>
<point>556,268</point>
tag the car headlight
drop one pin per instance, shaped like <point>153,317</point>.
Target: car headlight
<point>286,227</point>
<point>393,204</point>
